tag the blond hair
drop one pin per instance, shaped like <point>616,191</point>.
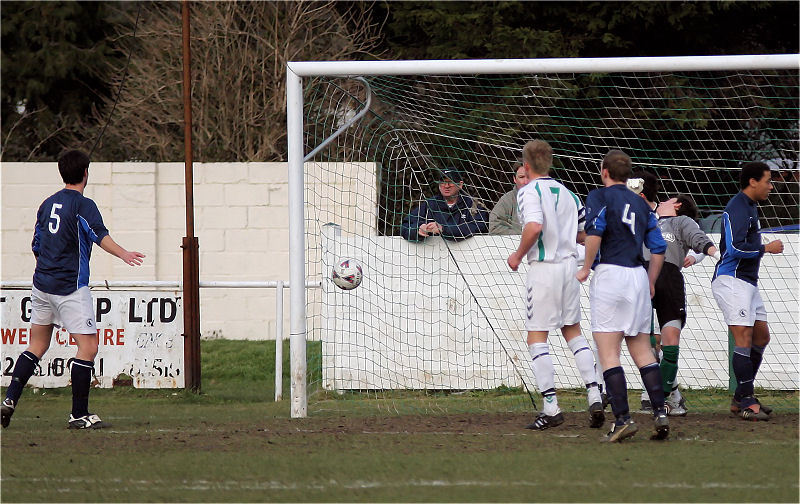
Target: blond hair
<point>538,155</point>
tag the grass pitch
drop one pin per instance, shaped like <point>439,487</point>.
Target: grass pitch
<point>233,444</point>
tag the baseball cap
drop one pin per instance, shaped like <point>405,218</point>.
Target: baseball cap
<point>450,173</point>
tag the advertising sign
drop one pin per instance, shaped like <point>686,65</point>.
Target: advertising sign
<point>140,340</point>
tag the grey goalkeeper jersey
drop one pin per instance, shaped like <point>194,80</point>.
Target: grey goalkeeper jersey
<point>681,234</point>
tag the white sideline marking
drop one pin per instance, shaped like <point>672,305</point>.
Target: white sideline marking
<point>731,441</point>
<point>201,484</point>
<point>710,484</point>
<point>695,438</point>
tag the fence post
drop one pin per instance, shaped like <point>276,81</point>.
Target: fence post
<point>279,341</point>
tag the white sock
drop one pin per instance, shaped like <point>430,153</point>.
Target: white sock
<point>675,395</point>
<point>598,369</point>
<point>542,365</point>
<point>584,360</point>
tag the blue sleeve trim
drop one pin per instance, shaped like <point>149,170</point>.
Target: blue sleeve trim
<point>35,244</point>
<point>597,225</point>
<point>96,237</point>
<point>653,239</point>
<point>731,240</point>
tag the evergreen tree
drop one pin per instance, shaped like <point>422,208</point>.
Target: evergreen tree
<point>55,70</point>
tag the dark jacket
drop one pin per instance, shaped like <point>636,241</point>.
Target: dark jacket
<point>466,218</point>
<point>740,243</point>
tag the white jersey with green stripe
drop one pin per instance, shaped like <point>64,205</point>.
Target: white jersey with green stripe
<point>547,202</point>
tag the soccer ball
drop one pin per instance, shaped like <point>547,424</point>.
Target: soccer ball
<point>347,273</point>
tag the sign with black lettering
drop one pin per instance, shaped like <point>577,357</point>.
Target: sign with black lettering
<point>140,336</point>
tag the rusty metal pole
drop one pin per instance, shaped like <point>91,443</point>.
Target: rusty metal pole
<point>191,263</point>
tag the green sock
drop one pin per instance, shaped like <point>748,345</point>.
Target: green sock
<point>669,366</point>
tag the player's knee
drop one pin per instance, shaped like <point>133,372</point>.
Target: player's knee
<point>91,352</point>
<point>671,332</point>
<point>38,348</point>
<point>761,333</point>
<point>87,346</point>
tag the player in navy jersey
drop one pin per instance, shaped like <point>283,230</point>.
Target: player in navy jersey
<point>618,222</point>
<point>735,285</point>
<point>67,224</point>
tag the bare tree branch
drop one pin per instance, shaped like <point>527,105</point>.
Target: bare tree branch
<point>25,116</point>
<point>239,56</point>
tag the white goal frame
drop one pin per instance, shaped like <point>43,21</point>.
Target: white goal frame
<point>296,70</point>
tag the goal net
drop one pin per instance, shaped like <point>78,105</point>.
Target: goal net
<point>436,317</point>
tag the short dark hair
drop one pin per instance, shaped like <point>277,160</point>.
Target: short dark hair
<point>651,186</point>
<point>72,165</point>
<point>752,170</point>
<point>688,206</point>
<point>618,164</point>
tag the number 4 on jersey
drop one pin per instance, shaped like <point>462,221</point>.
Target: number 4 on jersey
<point>629,218</point>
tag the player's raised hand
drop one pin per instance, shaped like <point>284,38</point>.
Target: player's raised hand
<point>774,247</point>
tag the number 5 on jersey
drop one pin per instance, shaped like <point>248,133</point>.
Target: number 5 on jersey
<point>629,218</point>
<point>53,226</point>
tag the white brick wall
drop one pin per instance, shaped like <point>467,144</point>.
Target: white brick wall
<point>241,222</point>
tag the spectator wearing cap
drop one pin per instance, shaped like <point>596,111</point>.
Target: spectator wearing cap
<point>503,219</point>
<point>451,214</point>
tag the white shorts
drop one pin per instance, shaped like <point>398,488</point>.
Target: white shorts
<point>739,301</point>
<point>74,312</point>
<point>553,296</point>
<point>620,300</point>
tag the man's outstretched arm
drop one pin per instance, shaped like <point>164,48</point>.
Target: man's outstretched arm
<point>130,258</point>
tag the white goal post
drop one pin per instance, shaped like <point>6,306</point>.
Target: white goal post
<point>296,71</point>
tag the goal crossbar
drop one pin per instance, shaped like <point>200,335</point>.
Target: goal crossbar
<point>547,65</point>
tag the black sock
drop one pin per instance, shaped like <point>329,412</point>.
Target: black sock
<point>651,378</point>
<point>756,354</point>
<point>23,370</point>
<point>743,370</point>
<point>81,374</point>
<point>617,393</point>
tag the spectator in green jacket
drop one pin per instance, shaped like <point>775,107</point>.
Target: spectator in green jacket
<point>503,219</point>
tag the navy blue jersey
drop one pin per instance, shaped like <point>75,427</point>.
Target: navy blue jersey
<point>740,244</point>
<point>66,225</point>
<point>625,222</point>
